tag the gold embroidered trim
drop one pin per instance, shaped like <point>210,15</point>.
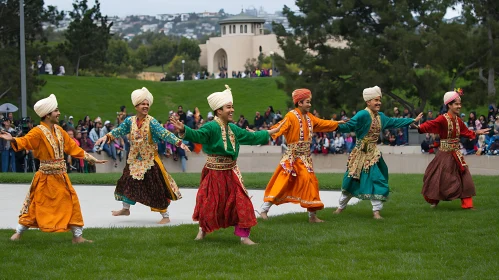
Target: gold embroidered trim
<point>50,167</point>
<point>365,153</point>
<point>89,158</point>
<point>451,144</point>
<point>57,144</point>
<point>142,148</point>
<point>216,162</point>
<point>295,199</point>
<point>232,137</point>
<point>297,150</point>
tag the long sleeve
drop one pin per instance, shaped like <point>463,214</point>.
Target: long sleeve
<point>320,125</point>
<point>29,142</point>
<point>71,147</point>
<point>389,123</point>
<point>465,131</point>
<point>201,136</point>
<point>123,129</point>
<point>158,132</point>
<point>245,137</point>
<point>285,127</point>
<point>433,126</point>
<point>362,117</point>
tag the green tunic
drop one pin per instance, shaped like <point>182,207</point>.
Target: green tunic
<point>218,140</point>
<point>367,174</point>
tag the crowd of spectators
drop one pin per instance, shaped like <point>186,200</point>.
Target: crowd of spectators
<point>87,130</point>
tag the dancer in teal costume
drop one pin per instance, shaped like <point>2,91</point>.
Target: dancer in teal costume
<point>367,174</point>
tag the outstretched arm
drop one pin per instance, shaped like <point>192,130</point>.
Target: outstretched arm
<point>245,137</point>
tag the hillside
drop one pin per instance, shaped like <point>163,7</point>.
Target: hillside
<point>81,96</point>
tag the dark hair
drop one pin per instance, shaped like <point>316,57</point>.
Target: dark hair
<point>122,108</point>
<point>271,109</point>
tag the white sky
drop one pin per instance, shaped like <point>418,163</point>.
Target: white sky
<point>154,7</point>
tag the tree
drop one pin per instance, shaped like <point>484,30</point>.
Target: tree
<point>34,14</point>
<point>162,52</point>
<point>190,66</point>
<point>393,44</point>
<point>87,36</point>
<point>189,48</point>
<point>485,14</point>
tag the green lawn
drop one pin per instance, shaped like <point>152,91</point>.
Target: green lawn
<point>412,242</point>
<point>81,96</point>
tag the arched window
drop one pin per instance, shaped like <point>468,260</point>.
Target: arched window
<point>225,30</point>
<point>230,29</point>
<point>241,28</point>
<point>252,28</point>
<point>245,29</point>
<point>234,28</point>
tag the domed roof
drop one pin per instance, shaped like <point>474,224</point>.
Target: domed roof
<point>242,18</point>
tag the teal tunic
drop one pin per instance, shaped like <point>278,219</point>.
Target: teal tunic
<point>371,180</point>
<point>210,136</point>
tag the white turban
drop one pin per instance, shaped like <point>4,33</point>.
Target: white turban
<point>46,106</point>
<point>139,95</point>
<point>218,99</point>
<point>371,93</point>
<point>450,96</point>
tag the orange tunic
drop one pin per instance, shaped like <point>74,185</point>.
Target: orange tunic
<point>294,179</point>
<point>51,203</point>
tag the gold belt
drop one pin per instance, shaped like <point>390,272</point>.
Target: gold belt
<point>53,166</point>
<point>215,162</point>
<point>449,145</point>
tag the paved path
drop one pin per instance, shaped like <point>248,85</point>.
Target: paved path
<point>98,201</point>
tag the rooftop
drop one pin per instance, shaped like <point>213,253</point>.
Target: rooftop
<point>242,18</point>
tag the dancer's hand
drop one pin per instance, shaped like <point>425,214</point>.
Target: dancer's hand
<point>6,136</point>
<point>482,131</point>
<point>419,117</point>
<point>100,161</point>
<point>275,130</point>
<point>101,140</point>
<point>249,129</point>
<point>184,147</point>
<point>177,124</point>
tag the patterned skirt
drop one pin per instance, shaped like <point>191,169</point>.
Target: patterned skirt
<point>443,180</point>
<point>222,201</point>
<point>152,191</point>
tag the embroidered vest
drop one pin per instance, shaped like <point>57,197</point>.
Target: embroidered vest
<point>300,149</point>
<point>365,153</point>
<point>142,148</point>
<point>56,165</point>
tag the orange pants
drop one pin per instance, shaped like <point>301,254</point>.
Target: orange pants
<point>466,203</point>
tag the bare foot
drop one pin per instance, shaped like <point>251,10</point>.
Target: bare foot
<point>201,235</point>
<point>122,212</point>
<point>247,241</point>
<point>78,240</point>
<point>263,215</point>
<point>314,219</point>
<point>377,216</point>
<point>338,211</point>
<point>164,221</point>
<point>472,208</point>
<point>433,205</point>
<point>15,237</point>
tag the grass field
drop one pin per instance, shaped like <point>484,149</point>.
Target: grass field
<point>412,242</point>
<point>81,96</point>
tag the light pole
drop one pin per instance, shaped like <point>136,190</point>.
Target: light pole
<point>183,62</point>
<point>24,108</point>
<point>272,55</point>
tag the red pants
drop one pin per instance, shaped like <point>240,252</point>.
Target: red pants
<point>466,203</point>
